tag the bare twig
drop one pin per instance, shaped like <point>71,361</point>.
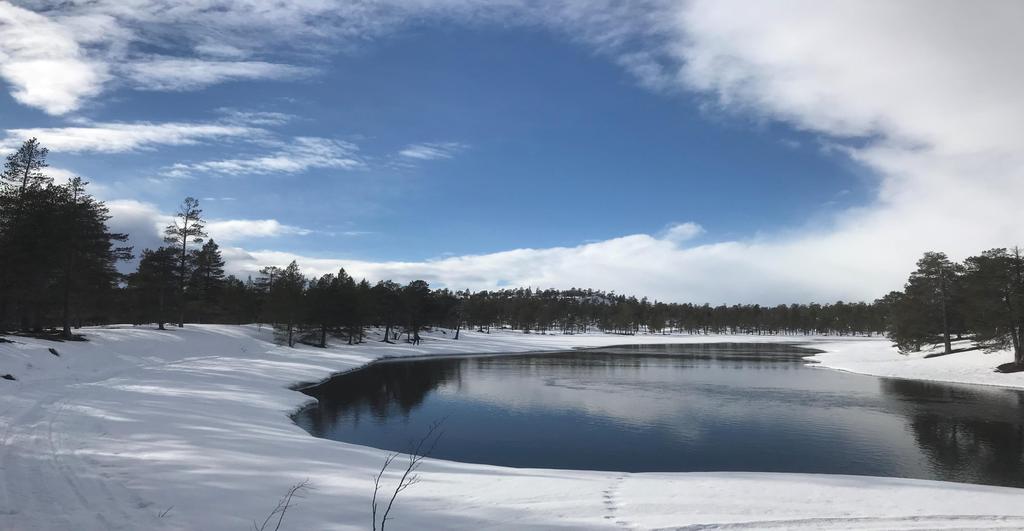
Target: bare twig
<point>419,451</point>
<point>295,491</point>
<point>376,486</point>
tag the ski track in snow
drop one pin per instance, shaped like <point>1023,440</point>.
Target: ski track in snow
<point>120,428</point>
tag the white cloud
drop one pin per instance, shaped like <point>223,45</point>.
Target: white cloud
<point>932,94</point>
<point>637,264</point>
<point>143,222</point>
<point>659,266</point>
<point>681,232</point>
<point>230,230</point>
<point>43,63</point>
<point>176,74</point>
<point>212,48</point>
<point>117,137</point>
<point>432,150</point>
<point>298,155</point>
<point>255,118</point>
<point>61,175</point>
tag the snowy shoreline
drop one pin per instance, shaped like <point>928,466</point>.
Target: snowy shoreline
<point>115,430</point>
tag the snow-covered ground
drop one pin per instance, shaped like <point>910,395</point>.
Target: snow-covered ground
<point>973,366</point>
<point>193,425</point>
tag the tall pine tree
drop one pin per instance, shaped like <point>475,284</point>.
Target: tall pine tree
<point>88,254</point>
<point>187,228</point>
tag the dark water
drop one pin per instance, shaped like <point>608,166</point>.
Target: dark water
<point>678,408</point>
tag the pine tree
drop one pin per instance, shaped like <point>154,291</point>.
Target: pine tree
<point>153,281</point>
<point>348,309</point>
<point>416,300</point>
<point>387,293</point>
<point>285,300</point>
<point>994,282</point>
<point>364,310</point>
<point>23,170</point>
<point>23,185</point>
<point>322,301</point>
<point>188,227</point>
<point>931,289</point>
<point>207,280</point>
<point>89,255</point>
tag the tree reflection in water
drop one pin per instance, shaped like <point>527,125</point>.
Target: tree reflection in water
<point>383,389</point>
<point>968,433</point>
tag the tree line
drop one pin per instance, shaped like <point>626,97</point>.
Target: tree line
<point>57,255</point>
<point>58,271</point>
<point>980,298</point>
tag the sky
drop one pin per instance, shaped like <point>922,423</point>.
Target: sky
<point>705,151</point>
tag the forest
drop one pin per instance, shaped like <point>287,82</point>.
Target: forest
<point>59,271</point>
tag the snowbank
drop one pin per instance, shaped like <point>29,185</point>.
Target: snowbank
<point>193,424</point>
<point>971,367</point>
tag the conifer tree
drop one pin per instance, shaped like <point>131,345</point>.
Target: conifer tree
<point>154,281</point>
<point>87,245</point>
<point>23,185</point>
<point>323,303</point>
<point>416,301</point>
<point>387,293</point>
<point>188,227</point>
<point>23,170</point>
<point>207,280</point>
<point>931,290</point>
<point>995,285</point>
<point>285,300</point>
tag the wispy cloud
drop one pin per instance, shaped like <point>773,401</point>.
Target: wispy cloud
<point>179,74</point>
<point>255,118</point>
<point>76,49</point>
<point>120,137</point>
<point>432,150</point>
<point>296,156</point>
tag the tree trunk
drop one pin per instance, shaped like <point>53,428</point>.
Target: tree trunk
<point>945,313</point>
<point>160,309</point>
<point>66,315</point>
<point>1018,343</point>
<point>181,277</point>
<point>323,336</point>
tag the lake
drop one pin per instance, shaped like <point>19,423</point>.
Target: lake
<point>668,408</point>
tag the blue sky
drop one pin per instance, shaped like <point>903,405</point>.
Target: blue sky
<point>557,147</point>
<point>536,144</point>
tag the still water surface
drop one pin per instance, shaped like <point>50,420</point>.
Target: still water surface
<point>737,407</point>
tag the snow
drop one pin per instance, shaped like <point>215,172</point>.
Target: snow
<point>969,367</point>
<point>194,422</point>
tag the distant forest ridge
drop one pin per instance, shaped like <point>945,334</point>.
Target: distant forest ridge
<point>57,270</point>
